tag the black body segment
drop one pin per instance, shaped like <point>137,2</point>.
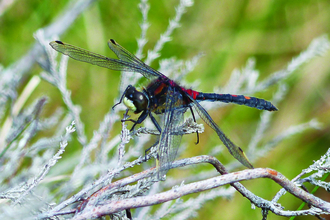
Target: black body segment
<point>237,99</point>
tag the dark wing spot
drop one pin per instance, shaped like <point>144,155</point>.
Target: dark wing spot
<point>59,42</point>
<point>113,41</point>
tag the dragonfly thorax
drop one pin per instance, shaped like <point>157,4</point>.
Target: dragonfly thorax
<point>135,100</point>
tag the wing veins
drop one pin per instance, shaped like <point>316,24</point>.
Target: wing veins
<point>130,65</point>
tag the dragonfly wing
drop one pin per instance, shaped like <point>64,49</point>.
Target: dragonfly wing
<point>236,151</point>
<point>103,61</point>
<point>125,55</point>
<point>170,137</point>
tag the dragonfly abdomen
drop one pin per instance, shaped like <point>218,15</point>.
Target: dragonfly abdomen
<point>237,99</point>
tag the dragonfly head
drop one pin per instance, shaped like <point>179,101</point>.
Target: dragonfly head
<point>135,100</point>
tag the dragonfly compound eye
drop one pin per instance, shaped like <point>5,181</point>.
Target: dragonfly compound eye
<point>135,101</point>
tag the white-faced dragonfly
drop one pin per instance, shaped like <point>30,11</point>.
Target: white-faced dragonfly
<point>163,96</point>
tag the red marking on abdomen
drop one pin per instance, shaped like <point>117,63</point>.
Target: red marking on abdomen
<point>247,97</point>
<point>192,93</point>
<point>234,95</point>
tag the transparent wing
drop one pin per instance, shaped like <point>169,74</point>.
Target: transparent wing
<point>125,55</point>
<point>127,61</point>
<point>170,137</point>
<point>234,150</point>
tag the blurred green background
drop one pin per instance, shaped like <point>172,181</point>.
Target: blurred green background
<point>228,32</point>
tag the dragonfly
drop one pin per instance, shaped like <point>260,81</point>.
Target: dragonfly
<point>163,96</point>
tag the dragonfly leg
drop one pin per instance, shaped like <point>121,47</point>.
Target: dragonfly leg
<point>126,116</point>
<point>192,113</point>
<point>128,214</point>
<point>158,128</point>
<point>155,122</point>
<point>139,121</point>
<point>121,99</point>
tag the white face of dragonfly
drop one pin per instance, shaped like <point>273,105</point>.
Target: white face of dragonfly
<point>129,104</point>
<point>135,100</point>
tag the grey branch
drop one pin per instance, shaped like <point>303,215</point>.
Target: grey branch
<point>114,206</point>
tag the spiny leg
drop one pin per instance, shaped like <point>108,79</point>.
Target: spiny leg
<point>122,97</point>
<point>142,117</point>
<point>192,112</point>
<point>160,131</point>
